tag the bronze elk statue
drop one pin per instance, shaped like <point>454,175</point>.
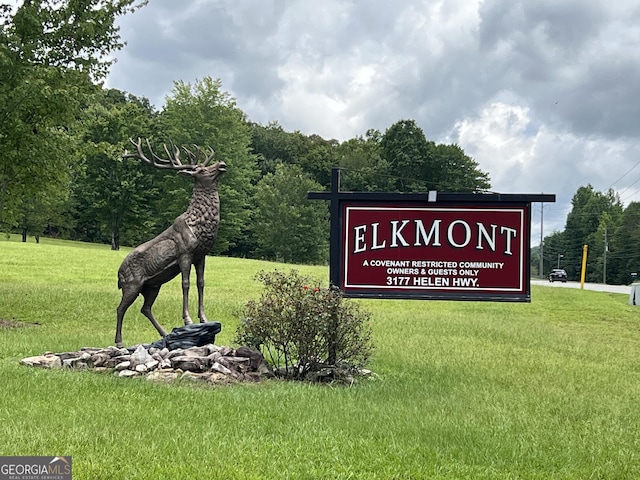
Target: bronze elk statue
<point>187,242</point>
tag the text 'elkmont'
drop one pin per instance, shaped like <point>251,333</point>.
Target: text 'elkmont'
<point>412,233</point>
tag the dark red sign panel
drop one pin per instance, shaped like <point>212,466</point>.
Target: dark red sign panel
<point>450,251</point>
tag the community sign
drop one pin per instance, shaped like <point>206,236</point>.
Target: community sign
<point>436,245</point>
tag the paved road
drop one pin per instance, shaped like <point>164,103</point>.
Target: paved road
<point>600,287</point>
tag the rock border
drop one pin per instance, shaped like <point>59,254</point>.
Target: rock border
<point>209,363</point>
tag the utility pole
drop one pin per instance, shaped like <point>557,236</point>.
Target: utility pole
<point>604,257</point>
<point>541,240</point>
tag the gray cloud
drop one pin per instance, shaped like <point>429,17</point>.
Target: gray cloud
<point>575,62</point>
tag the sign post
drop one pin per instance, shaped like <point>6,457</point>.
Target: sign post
<point>453,246</point>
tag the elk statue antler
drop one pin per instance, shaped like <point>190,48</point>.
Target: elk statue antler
<point>187,242</point>
<point>173,160</point>
<point>195,157</point>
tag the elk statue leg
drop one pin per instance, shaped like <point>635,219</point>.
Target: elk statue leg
<point>199,266</point>
<point>129,296</point>
<point>185,268</point>
<point>150,293</point>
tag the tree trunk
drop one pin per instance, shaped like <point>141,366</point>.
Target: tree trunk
<point>3,190</point>
<point>115,239</point>
<point>332,341</point>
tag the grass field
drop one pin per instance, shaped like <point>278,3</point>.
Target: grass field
<point>546,390</point>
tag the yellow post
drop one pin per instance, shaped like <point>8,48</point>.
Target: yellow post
<point>584,265</point>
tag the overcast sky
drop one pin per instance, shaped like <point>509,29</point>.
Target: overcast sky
<point>543,94</point>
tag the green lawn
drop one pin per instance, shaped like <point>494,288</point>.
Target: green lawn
<point>544,390</point>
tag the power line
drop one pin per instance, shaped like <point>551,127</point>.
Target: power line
<point>630,195</point>
<point>628,187</point>
<point>627,173</point>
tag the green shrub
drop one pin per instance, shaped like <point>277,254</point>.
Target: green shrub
<point>303,328</point>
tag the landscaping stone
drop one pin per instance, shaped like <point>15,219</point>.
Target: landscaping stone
<point>207,363</point>
<point>98,359</point>
<point>140,356</point>
<point>188,363</point>
<point>48,360</point>
<point>122,366</point>
<point>141,368</point>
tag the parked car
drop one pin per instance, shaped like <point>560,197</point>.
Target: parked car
<point>558,275</point>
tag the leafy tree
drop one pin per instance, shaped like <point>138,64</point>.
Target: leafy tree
<point>313,154</point>
<point>554,245</point>
<point>421,165</point>
<point>459,172</point>
<point>318,157</point>
<point>272,146</point>
<point>411,157</point>
<point>114,195</point>
<point>37,153</point>
<point>585,218</point>
<point>43,211</point>
<point>205,115</point>
<point>35,207</point>
<point>625,246</point>
<point>597,259</point>
<point>364,169</point>
<point>51,52</point>
<point>286,226</point>
<point>534,261</point>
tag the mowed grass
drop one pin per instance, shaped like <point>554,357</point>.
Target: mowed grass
<point>546,390</point>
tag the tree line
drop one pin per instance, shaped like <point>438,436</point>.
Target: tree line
<point>103,197</point>
<point>610,231</point>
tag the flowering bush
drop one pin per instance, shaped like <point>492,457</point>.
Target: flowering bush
<point>303,328</point>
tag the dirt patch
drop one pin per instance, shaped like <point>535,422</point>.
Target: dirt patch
<point>4,323</point>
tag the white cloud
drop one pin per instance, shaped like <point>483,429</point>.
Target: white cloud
<point>525,157</point>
